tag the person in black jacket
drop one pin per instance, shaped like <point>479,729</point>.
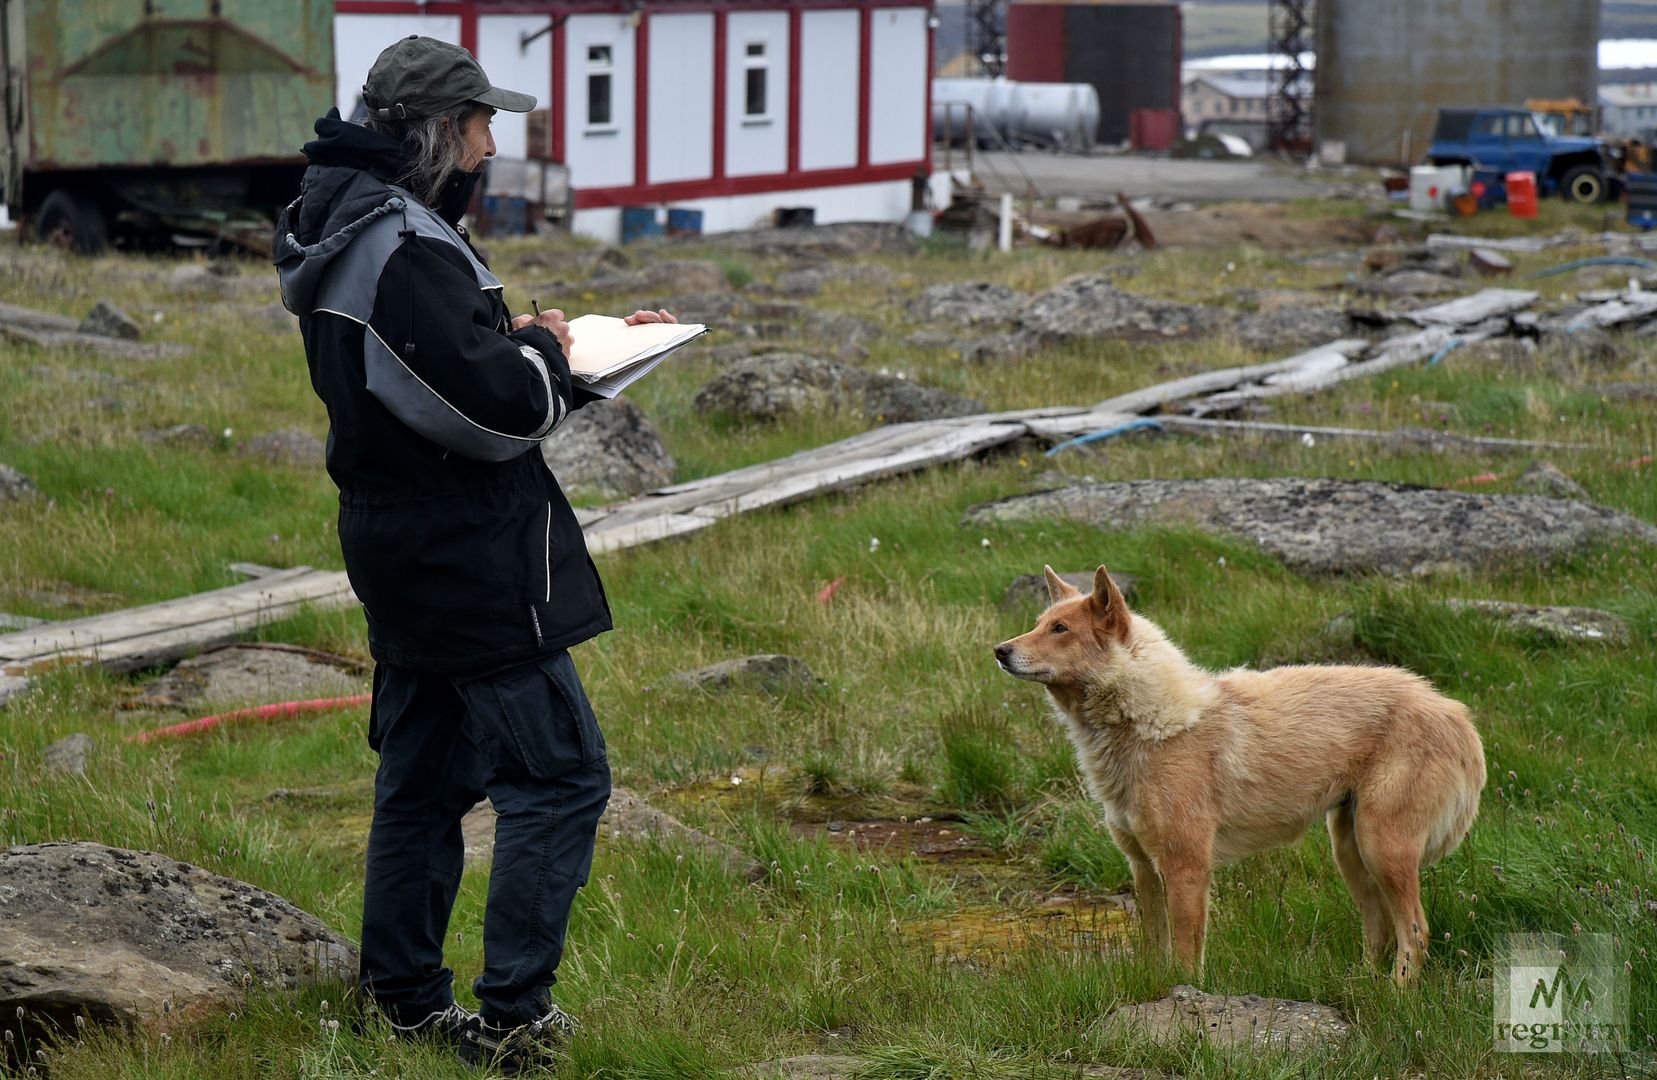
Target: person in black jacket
<point>471,568</point>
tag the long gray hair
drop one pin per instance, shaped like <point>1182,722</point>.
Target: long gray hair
<point>434,146</point>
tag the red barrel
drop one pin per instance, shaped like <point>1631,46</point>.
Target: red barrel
<point>1521,194</point>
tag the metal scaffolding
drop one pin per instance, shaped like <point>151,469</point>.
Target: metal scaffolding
<point>1289,104</point>
<point>987,35</point>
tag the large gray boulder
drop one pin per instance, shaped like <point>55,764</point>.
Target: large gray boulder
<point>967,303</point>
<point>772,673</point>
<point>254,673</point>
<point>609,448</point>
<point>779,385</point>
<point>126,937</point>
<point>1287,330</point>
<point>1089,306</point>
<point>1241,1021</point>
<point>1327,526</point>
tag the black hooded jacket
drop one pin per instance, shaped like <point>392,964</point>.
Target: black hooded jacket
<point>457,539</point>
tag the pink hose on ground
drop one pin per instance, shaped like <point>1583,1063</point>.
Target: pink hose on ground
<point>276,711</point>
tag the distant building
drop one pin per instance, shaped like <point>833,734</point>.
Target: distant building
<point>734,108</point>
<point>1224,97</point>
<point>1628,109</point>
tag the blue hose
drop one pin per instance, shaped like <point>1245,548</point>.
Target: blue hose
<point>1449,346</point>
<point>1597,260</point>
<point>1144,423</point>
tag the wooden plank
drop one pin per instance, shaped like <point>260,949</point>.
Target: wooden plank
<point>631,534</point>
<point>953,445</point>
<point>115,626</point>
<point>853,446</point>
<point>1197,426</point>
<point>1206,382</point>
<point>30,319</point>
<point>169,643</point>
<point>1468,310</point>
<point>733,484</point>
<point>1060,428</point>
<point>1615,312</point>
<point>1528,244</point>
<point>1393,353</point>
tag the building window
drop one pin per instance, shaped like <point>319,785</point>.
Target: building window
<point>757,71</point>
<point>600,74</point>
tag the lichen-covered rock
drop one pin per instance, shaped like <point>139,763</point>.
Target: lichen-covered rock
<point>1240,1021</point>
<point>775,386</point>
<point>770,672</point>
<point>107,320</point>
<point>253,674</point>
<point>1327,526</point>
<point>968,303</point>
<point>127,937</point>
<point>292,447</point>
<point>68,754</point>
<point>609,448</point>
<point>1558,624</point>
<point>1288,330</point>
<point>1544,478</point>
<point>1030,590</point>
<point>1089,306</point>
<point>14,485</point>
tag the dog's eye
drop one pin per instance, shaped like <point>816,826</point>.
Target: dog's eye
<point>1060,628</point>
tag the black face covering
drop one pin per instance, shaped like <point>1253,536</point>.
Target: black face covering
<point>456,195</point>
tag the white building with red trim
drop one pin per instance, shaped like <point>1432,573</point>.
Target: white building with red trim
<point>731,107</point>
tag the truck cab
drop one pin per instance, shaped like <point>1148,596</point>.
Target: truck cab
<point>1507,139</point>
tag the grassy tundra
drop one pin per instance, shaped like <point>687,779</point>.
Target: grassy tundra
<point>997,960</point>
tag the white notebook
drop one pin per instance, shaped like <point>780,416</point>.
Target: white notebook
<point>609,355</point>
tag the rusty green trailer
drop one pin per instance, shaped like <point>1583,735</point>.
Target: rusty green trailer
<point>122,116</point>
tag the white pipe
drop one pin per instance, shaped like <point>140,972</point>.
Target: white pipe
<point>1005,238</point>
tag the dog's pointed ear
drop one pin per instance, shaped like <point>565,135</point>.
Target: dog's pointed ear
<point>1110,611</point>
<point>1058,588</point>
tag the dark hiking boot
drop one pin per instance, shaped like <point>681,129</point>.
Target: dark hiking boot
<point>513,1050</point>
<point>450,1026</point>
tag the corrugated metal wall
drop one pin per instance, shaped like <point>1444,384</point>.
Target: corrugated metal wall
<point>1385,68</point>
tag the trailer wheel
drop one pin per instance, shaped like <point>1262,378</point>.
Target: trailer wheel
<point>1583,184</point>
<point>73,223</point>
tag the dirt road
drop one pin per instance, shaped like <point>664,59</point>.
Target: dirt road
<point>1101,177</point>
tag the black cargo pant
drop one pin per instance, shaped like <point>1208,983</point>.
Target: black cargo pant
<point>526,737</point>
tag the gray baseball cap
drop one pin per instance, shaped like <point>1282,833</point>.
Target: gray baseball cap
<point>421,76</point>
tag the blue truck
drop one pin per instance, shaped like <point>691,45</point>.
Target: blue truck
<point>1504,139</point>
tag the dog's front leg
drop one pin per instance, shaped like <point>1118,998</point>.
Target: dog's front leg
<point>1186,880</point>
<point>1148,894</point>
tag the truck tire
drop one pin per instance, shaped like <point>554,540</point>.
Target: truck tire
<point>72,222</point>
<point>1583,184</point>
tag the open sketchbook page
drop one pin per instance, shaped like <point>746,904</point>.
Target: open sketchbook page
<point>606,346</point>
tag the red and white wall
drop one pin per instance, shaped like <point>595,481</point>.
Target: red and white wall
<point>731,107</point>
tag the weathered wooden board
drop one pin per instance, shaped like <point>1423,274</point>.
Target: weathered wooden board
<point>1468,310</point>
<point>604,536</point>
<point>1207,382</point>
<point>170,630</point>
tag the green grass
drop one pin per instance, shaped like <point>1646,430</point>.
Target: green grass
<point>680,968</point>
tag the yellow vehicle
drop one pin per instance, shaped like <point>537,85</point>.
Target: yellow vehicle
<point>1568,116</point>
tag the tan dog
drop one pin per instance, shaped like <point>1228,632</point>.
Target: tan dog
<point>1196,769</point>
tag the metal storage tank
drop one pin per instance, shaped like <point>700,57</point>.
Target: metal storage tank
<point>1383,69</point>
<point>1129,53</point>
